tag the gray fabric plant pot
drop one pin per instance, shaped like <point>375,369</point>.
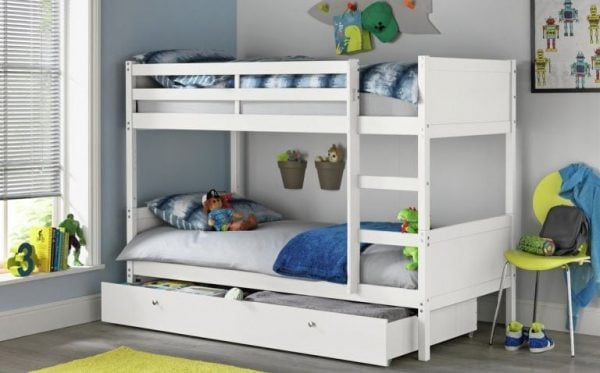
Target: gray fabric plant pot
<point>292,174</point>
<point>330,174</point>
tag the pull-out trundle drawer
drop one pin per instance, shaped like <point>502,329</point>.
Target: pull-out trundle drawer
<point>341,336</point>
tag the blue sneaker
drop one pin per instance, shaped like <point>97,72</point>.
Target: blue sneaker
<point>539,341</point>
<point>517,336</point>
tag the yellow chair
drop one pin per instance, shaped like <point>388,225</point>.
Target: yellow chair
<point>545,196</point>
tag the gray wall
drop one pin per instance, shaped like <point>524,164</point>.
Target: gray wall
<point>179,160</point>
<point>553,129</point>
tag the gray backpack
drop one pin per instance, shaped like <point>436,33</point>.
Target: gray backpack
<point>567,226</point>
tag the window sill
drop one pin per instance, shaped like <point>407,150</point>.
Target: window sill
<point>8,279</point>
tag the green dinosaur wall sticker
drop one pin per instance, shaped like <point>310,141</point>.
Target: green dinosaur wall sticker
<point>412,15</point>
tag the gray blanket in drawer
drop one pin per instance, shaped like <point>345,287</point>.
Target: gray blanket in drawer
<point>331,305</point>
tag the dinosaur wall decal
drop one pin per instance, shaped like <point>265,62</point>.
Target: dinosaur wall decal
<point>410,21</point>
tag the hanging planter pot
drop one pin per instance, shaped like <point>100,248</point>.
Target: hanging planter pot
<point>330,174</point>
<point>292,174</point>
<point>292,166</point>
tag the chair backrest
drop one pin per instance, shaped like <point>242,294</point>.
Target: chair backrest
<point>546,196</point>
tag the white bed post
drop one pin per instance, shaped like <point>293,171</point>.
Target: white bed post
<point>424,142</point>
<point>511,182</point>
<point>352,174</point>
<point>236,151</point>
<point>130,149</point>
<point>131,167</point>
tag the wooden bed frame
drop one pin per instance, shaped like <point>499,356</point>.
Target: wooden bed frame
<point>458,97</point>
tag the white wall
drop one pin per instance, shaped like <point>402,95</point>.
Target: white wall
<point>553,129</point>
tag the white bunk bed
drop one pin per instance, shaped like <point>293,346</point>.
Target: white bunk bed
<point>458,97</point>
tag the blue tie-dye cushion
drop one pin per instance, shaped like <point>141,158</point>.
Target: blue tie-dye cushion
<point>184,211</point>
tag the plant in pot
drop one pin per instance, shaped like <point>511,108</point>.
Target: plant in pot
<point>292,166</point>
<point>331,168</point>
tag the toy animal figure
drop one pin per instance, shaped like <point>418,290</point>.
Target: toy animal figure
<point>409,217</point>
<point>225,219</point>
<point>76,238</point>
<point>335,154</point>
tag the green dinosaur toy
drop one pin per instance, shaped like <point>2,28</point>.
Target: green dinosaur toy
<point>409,217</point>
<point>76,238</point>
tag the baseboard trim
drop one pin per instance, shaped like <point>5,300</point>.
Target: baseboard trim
<point>552,315</point>
<point>50,316</point>
<point>45,317</point>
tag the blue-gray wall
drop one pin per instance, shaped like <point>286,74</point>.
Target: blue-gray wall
<point>183,161</point>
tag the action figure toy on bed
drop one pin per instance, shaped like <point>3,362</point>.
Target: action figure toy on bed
<point>225,219</point>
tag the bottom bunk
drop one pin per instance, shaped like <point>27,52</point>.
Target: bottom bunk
<point>373,339</point>
<point>257,251</point>
<point>463,262</point>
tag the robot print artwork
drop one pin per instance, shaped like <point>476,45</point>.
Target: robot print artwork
<point>565,46</point>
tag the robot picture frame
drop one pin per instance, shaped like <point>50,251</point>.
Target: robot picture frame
<point>565,45</point>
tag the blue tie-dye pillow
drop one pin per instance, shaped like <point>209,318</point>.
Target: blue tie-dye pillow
<point>185,56</point>
<point>391,79</point>
<point>184,211</point>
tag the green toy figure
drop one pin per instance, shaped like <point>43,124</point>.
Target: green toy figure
<point>409,217</point>
<point>76,238</point>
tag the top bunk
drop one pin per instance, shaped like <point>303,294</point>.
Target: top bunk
<point>456,97</point>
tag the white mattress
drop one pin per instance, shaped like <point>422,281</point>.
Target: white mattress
<point>256,251</point>
<point>370,104</point>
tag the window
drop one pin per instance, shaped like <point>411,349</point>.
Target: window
<point>30,116</point>
<point>46,117</point>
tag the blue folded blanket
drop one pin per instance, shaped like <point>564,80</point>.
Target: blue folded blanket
<point>320,253</point>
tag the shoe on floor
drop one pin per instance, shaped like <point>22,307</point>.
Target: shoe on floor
<point>516,336</point>
<point>539,341</point>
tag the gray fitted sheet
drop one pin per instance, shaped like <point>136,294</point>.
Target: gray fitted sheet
<point>379,311</point>
<point>256,251</point>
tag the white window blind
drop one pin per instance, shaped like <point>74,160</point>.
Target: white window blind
<point>30,98</point>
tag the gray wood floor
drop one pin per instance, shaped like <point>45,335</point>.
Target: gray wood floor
<point>459,355</point>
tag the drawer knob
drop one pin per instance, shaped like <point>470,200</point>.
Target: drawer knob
<point>311,324</point>
<point>154,302</point>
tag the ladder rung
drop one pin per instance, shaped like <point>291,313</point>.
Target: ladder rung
<point>389,238</point>
<point>388,183</point>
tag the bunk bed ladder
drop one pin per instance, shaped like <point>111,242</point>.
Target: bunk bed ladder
<point>422,186</point>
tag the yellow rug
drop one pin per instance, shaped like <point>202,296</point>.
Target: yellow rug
<point>127,360</point>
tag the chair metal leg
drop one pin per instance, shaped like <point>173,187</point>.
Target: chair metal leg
<point>535,296</point>
<point>571,334</point>
<point>498,303</point>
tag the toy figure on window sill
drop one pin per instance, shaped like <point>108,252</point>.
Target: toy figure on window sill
<point>76,238</point>
<point>225,219</point>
